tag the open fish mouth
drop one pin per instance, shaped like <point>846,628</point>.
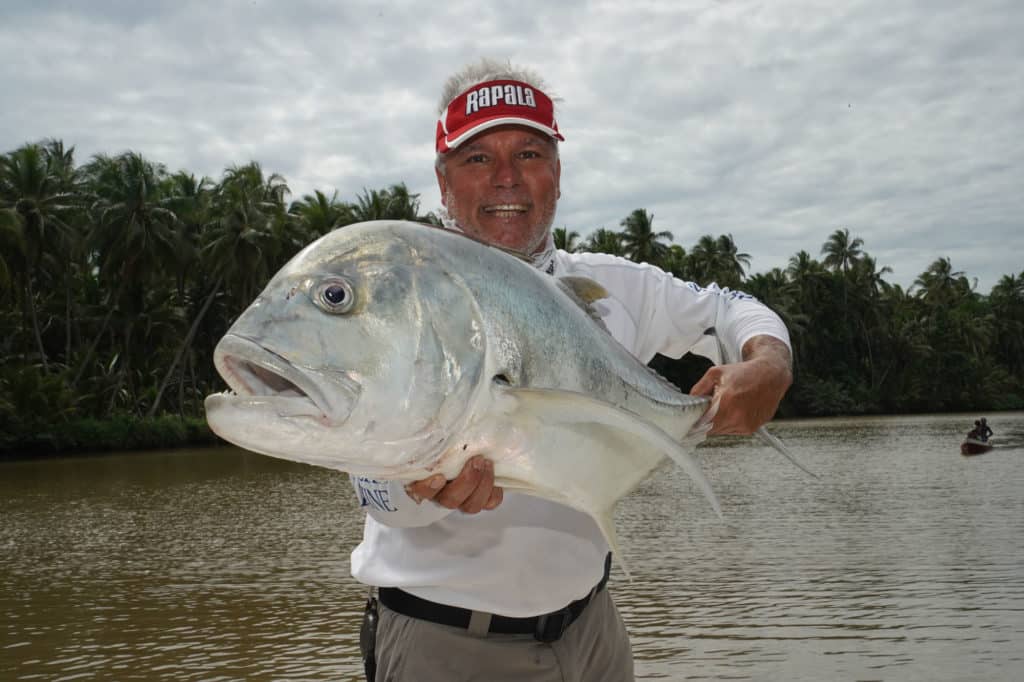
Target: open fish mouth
<point>257,376</point>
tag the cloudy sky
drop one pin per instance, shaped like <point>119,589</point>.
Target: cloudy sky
<point>775,121</point>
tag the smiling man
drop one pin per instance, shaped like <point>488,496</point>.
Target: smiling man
<point>497,164</point>
<point>478,585</point>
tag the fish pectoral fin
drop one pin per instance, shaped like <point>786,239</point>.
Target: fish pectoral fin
<point>604,518</point>
<point>606,522</point>
<point>626,446</point>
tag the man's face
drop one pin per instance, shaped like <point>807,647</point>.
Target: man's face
<point>502,187</point>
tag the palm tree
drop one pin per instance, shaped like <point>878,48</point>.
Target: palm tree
<point>319,215</point>
<point>12,246</point>
<point>1010,287</point>
<point>704,259</point>
<point>188,197</point>
<point>841,251</point>
<point>677,262</point>
<point>34,186</point>
<point>867,279</point>
<point>136,236</point>
<point>1007,300</point>
<point>393,203</point>
<point>779,293</point>
<point>566,240</point>
<point>401,204</point>
<point>603,240</point>
<point>640,242</point>
<point>246,240</point>
<point>868,285</point>
<point>940,284</point>
<point>135,230</point>
<point>730,263</point>
<point>809,275</point>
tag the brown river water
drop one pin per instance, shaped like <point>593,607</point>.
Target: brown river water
<point>904,561</point>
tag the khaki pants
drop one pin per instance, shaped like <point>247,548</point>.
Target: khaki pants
<point>595,648</point>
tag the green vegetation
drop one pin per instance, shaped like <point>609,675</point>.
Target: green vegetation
<point>117,278</point>
<point>861,344</point>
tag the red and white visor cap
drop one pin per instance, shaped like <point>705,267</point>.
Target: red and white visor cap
<point>491,104</point>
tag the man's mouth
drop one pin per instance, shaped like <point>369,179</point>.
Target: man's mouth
<point>506,210</point>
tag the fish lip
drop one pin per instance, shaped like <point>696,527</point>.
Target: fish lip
<point>256,373</point>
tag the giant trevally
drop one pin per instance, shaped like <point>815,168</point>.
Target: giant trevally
<point>397,350</point>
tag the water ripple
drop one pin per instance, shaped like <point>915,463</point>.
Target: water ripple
<point>904,562</point>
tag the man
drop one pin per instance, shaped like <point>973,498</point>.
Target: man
<point>476,584</point>
<point>984,430</point>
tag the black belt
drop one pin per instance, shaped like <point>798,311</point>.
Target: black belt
<point>547,627</point>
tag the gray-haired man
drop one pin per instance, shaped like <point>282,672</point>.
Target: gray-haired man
<point>479,585</point>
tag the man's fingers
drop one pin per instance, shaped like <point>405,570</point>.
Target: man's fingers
<point>497,495</point>
<point>708,382</point>
<point>462,486</point>
<point>472,491</point>
<point>427,489</point>
<point>480,495</point>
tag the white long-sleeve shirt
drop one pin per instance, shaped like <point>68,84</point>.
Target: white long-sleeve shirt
<point>529,555</point>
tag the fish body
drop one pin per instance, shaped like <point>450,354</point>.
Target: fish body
<point>396,351</point>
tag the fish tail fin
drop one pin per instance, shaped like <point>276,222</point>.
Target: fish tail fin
<point>781,448</point>
<point>762,432</point>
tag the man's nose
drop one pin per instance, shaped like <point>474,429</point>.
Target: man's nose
<point>506,173</point>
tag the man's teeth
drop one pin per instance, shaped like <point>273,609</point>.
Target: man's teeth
<point>506,209</point>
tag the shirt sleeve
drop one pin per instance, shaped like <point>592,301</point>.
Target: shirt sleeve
<point>388,503</point>
<point>736,317</point>
<point>673,317</point>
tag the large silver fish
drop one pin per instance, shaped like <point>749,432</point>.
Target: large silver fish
<point>397,350</point>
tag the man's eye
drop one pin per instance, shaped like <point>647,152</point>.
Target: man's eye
<point>529,154</point>
<point>476,158</point>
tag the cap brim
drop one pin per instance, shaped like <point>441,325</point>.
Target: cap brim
<point>453,140</point>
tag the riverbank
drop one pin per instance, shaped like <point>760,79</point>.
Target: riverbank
<point>122,432</point>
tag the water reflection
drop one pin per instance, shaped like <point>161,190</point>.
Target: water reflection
<point>905,561</point>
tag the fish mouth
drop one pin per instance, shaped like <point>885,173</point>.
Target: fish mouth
<point>259,377</point>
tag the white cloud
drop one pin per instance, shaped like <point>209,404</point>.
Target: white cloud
<point>777,122</point>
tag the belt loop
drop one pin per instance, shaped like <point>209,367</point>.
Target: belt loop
<point>479,624</point>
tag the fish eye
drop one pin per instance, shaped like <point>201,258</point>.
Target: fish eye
<point>334,296</point>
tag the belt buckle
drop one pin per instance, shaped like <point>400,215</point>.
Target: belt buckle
<point>551,626</point>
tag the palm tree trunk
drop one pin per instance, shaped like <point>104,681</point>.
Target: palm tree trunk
<point>195,383</point>
<point>103,328</point>
<point>113,394</point>
<point>30,294</point>
<point>184,345</point>
<point>181,387</point>
<point>67,319</point>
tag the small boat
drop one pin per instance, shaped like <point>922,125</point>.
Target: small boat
<point>973,446</point>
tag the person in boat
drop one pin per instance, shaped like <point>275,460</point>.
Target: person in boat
<point>975,433</point>
<point>984,431</point>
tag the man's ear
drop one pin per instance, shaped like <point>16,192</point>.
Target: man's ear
<point>558,178</point>
<point>442,184</point>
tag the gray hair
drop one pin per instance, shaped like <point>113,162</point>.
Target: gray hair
<point>487,70</point>
<point>481,71</point>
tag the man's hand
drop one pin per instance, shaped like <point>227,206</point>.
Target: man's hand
<point>748,392</point>
<point>472,491</point>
